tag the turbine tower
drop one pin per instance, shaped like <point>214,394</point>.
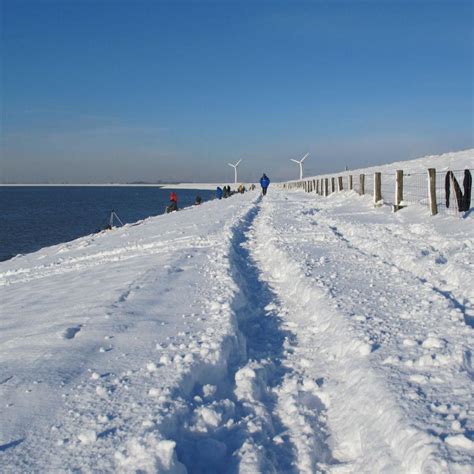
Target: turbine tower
<point>235,170</point>
<point>300,162</point>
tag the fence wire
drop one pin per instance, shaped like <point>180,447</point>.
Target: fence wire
<point>415,189</point>
<point>369,184</point>
<point>356,184</point>
<point>388,183</point>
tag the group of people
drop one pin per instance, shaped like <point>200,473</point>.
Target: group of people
<point>223,192</point>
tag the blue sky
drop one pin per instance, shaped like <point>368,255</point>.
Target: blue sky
<point>100,91</point>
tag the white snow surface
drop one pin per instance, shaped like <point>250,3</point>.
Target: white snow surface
<point>454,160</point>
<point>291,333</point>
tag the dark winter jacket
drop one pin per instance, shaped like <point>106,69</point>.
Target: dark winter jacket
<point>467,183</point>
<point>219,192</point>
<point>463,200</point>
<point>172,207</point>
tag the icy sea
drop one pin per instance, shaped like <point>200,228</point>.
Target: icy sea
<point>32,217</point>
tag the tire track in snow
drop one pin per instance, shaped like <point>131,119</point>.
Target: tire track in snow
<point>463,304</point>
<point>364,416</point>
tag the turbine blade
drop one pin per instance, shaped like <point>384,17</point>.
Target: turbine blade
<point>230,164</point>
<point>304,157</point>
<point>238,162</point>
<point>296,161</point>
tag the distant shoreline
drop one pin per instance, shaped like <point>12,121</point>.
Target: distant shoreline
<point>81,184</point>
<point>203,186</point>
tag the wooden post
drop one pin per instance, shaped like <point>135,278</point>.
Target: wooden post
<point>377,188</point>
<point>341,186</point>
<point>314,185</point>
<point>432,191</point>
<point>350,182</point>
<point>326,186</point>
<point>362,184</point>
<point>398,190</point>
<point>317,186</point>
<point>333,185</point>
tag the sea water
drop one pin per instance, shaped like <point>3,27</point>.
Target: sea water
<point>32,217</point>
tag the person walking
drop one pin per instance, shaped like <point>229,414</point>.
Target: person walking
<point>219,192</point>
<point>264,182</point>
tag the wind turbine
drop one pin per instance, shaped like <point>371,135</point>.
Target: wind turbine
<point>235,169</point>
<point>300,162</point>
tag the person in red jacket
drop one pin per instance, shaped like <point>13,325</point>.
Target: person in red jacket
<point>173,206</point>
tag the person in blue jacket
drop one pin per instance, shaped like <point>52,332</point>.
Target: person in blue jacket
<point>219,192</point>
<point>264,182</point>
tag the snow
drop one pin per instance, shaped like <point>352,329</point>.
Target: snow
<point>291,333</point>
<point>458,160</point>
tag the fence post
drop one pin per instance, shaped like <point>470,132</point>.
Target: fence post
<point>350,183</point>
<point>317,186</point>
<point>333,185</point>
<point>377,188</point>
<point>341,186</point>
<point>326,186</point>
<point>398,191</point>
<point>362,184</point>
<point>432,191</point>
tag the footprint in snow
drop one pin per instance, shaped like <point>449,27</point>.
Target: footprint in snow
<point>70,333</point>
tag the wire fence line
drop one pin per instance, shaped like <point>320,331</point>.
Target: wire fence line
<point>442,192</point>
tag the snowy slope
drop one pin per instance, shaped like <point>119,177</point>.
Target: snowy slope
<point>457,160</point>
<point>293,333</point>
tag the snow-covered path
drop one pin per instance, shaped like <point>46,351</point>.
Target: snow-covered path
<point>392,351</point>
<point>285,334</point>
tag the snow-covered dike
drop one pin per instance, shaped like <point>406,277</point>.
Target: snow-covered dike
<point>291,333</point>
